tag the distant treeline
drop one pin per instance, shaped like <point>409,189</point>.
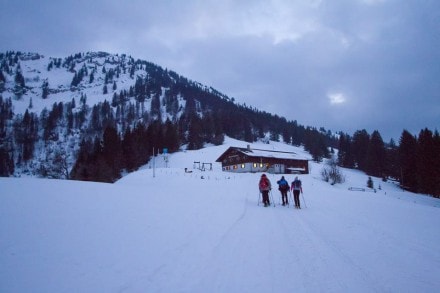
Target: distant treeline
<point>75,141</point>
<point>415,162</point>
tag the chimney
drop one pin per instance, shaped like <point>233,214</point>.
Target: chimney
<point>249,147</point>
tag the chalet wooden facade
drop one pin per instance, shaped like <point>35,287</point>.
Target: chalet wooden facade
<point>242,160</point>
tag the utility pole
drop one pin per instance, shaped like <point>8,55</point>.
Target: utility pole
<point>154,164</point>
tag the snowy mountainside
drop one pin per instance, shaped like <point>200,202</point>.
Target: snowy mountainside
<point>38,68</point>
<point>164,230</point>
<point>54,112</point>
<point>50,105</point>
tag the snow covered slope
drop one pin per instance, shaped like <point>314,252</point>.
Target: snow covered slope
<point>205,232</point>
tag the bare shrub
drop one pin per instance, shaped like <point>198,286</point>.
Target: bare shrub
<point>332,173</point>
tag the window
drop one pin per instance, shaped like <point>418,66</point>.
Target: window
<point>242,166</point>
<point>255,165</point>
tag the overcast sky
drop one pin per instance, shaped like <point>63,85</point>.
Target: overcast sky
<point>345,65</point>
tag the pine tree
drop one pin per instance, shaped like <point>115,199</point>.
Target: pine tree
<point>26,133</point>
<point>129,151</point>
<point>408,161</point>
<point>6,163</point>
<point>392,166</point>
<point>361,140</point>
<point>315,144</point>
<point>19,78</point>
<point>75,80</point>
<point>155,106</point>
<point>426,170</point>
<point>375,160</point>
<point>436,164</point>
<point>111,152</point>
<point>171,136</point>
<point>195,139</point>
<point>80,170</point>
<point>45,89</point>
<point>19,88</point>
<point>370,183</point>
<point>2,81</point>
<point>345,154</point>
<point>155,134</point>
<point>2,77</point>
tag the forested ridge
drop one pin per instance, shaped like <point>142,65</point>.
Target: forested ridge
<point>110,112</point>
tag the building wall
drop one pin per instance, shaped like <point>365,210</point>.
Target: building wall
<point>255,167</point>
<point>245,167</point>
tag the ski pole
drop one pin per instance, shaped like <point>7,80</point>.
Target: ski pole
<point>271,197</point>
<point>304,200</point>
<point>259,197</point>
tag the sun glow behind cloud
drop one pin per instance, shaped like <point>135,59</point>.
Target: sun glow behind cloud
<point>336,98</point>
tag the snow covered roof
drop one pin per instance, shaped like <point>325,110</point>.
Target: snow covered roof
<point>260,153</point>
<point>272,154</point>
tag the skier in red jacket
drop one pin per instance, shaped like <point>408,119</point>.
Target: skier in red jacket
<point>265,186</point>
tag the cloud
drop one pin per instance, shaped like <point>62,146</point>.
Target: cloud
<point>380,59</point>
<point>372,2</point>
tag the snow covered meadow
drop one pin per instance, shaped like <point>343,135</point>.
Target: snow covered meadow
<point>205,232</point>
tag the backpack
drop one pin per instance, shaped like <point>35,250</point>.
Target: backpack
<point>263,183</point>
<point>297,184</point>
<point>283,185</point>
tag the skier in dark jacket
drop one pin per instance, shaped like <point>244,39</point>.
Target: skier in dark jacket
<point>265,186</point>
<point>283,187</point>
<point>296,188</point>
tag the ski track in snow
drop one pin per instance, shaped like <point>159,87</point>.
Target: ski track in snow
<point>296,244</point>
